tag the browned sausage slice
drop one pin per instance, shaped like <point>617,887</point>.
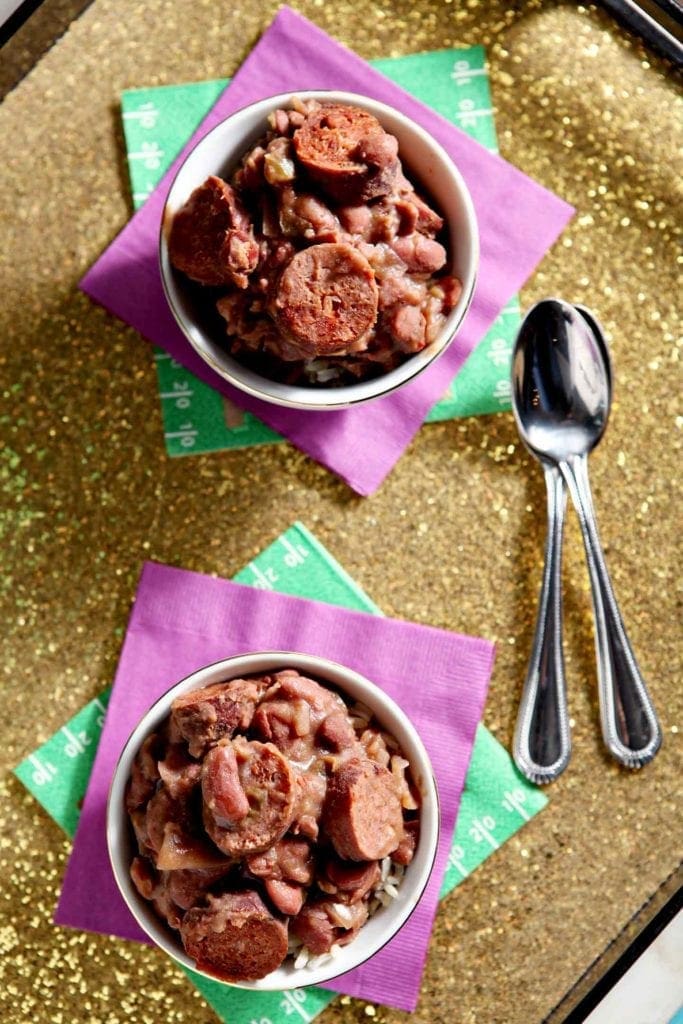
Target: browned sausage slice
<point>235,937</point>
<point>210,238</point>
<point>362,813</point>
<point>268,783</point>
<point>347,152</point>
<point>205,716</point>
<point>326,300</point>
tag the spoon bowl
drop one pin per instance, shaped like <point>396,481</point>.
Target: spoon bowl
<point>561,382</point>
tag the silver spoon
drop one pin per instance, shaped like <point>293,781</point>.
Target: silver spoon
<point>561,399</point>
<point>542,744</point>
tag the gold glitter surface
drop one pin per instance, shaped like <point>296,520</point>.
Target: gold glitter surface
<point>88,492</point>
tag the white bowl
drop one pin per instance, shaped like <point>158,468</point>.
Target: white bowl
<point>426,164</point>
<point>386,921</point>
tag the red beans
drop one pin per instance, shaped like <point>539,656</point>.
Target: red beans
<point>325,255</point>
<point>262,806</point>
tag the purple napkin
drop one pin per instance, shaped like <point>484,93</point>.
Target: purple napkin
<point>518,221</point>
<point>181,621</point>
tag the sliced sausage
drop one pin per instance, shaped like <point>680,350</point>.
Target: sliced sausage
<point>235,937</point>
<point>362,813</point>
<point>346,151</point>
<point>210,238</point>
<point>326,300</point>
<point>268,783</point>
<point>205,716</point>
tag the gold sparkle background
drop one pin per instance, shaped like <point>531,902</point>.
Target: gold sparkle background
<point>454,537</point>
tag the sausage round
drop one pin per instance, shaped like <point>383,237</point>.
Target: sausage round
<point>362,814</point>
<point>210,238</point>
<point>203,717</point>
<point>326,300</point>
<point>347,152</point>
<point>234,937</point>
<point>267,782</point>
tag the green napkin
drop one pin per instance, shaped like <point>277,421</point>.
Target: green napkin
<point>496,800</point>
<point>157,122</point>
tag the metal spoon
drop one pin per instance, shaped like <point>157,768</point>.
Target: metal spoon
<point>542,743</point>
<point>561,398</point>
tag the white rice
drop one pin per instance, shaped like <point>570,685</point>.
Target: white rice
<point>307,959</point>
<point>343,912</point>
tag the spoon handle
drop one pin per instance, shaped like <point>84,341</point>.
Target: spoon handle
<point>629,723</point>
<point>542,743</point>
